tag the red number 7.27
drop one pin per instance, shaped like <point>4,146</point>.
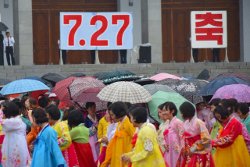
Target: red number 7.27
<point>66,20</point>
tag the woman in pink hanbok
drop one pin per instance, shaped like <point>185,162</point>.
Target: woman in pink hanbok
<point>197,143</point>
<point>173,136</point>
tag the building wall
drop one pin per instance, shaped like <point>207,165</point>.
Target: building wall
<point>7,14</point>
<point>244,30</point>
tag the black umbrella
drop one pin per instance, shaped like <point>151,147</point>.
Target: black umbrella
<point>3,27</point>
<point>53,78</point>
<point>77,75</point>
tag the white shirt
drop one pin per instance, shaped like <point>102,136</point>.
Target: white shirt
<point>8,41</point>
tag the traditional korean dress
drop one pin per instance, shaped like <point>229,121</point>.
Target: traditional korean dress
<point>163,126</point>
<point>65,144</point>
<point>119,144</point>
<point>92,124</point>
<point>46,150</point>
<point>14,149</point>
<point>230,146</point>
<point>197,149</point>
<point>80,139</point>
<point>146,152</point>
<point>173,139</point>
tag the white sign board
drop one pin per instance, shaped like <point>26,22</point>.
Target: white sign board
<point>209,29</point>
<point>96,31</point>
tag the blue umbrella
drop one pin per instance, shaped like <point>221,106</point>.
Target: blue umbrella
<point>210,88</point>
<point>39,79</point>
<point>22,86</point>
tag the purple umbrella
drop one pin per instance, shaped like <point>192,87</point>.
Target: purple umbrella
<point>240,92</point>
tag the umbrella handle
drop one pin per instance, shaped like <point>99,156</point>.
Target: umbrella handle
<point>146,105</point>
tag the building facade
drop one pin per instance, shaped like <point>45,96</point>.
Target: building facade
<point>165,24</point>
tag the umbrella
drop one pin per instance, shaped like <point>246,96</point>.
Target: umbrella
<point>22,86</point>
<point>53,78</point>
<point>77,75</point>
<point>204,75</point>
<point>161,97</point>
<point>153,88</point>
<point>125,92</point>
<point>237,75</point>
<point>85,89</point>
<point>61,89</point>
<point>117,75</point>
<point>39,79</point>
<point>211,87</point>
<point>240,92</point>
<point>162,76</point>
<point>144,81</point>
<point>187,88</point>
<point>3,27</point>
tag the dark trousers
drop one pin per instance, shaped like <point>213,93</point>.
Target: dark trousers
<point>123,56</point>
<point>1,57</point>
<point>195,54</point>
<point>10,54</point>
<point>216,55</point>
<point>64,56</point>
<point>92,55</point>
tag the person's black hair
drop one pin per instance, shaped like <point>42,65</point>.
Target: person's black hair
<point>10,109</point>
<point>222,111</point>
<point>243,108</point>
<point>56,102</point>
<point>43,101</point>
<point>161,106</point>
<point>32,101</point>
<point>40,116</point>
<point>119,109</point>
<point>89,105</point>
<point>187,110</point>
<point>109,104</point>
<point>139,114</point>
<point>17,102</point>
<point>66,113</point>
<point>215,102</point>
<point>53,112</point>
<point>171,107</point>
<point>75,118</point>
<point>229,104</point>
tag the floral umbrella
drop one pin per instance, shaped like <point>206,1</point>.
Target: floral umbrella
<point>240,92</point>
<point>125,92</point>
<point>85,89</point>
<point>187,88</point>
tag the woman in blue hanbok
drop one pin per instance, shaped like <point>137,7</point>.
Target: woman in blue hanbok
<point>46,150</point>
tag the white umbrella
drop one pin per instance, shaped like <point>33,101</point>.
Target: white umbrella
<point>126,92</point>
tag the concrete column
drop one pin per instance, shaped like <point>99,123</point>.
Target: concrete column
<point>244,30</point>
<point>133,6</point>
<point>23,29</point>
<point>154,29</point>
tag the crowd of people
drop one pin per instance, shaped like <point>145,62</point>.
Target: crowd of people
<point>45,132</point>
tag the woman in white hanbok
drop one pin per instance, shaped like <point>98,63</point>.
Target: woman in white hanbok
<point>14,149</point>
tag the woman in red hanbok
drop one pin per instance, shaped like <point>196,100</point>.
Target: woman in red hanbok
<point>197,149</point>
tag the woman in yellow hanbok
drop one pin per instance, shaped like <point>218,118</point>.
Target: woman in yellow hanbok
<point>231,149</point>
<point>121,141</point>
<point>146,152</point>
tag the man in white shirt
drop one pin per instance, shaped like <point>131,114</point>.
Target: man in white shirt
<point>8,43</point>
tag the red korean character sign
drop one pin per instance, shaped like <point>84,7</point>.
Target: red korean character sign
<point>209,29</point>
<point>96,31</point>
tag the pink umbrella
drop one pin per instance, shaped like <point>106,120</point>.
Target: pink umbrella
<point>85,89</point>
<point>61,89</point>
<point>240,92</point>
<point>162,76</point>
